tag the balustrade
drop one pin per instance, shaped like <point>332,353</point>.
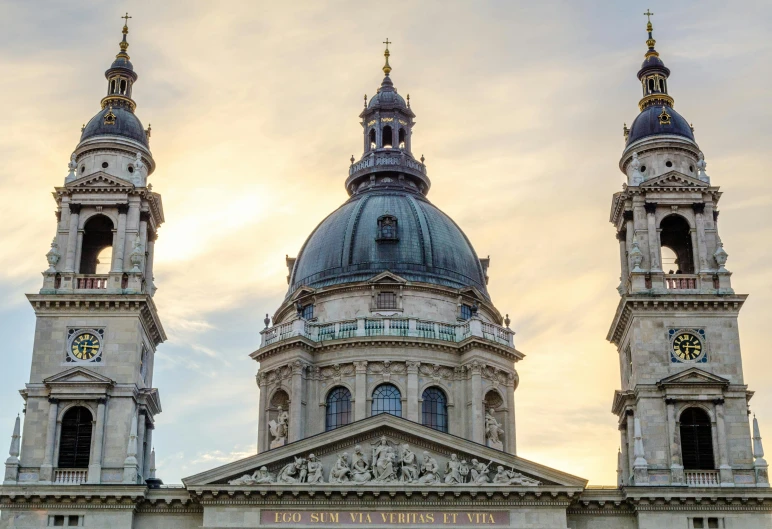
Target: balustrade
<point>681,282</point>
<point>449,332</point>
<point>91,282</point>
<point>70,476</point>
<point>702,478</point>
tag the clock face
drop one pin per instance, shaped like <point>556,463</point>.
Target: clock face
<point>687,346</point>
<point>85,346</point>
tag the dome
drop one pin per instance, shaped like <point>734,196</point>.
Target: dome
<point>126,124</point>
<point>653,62</point>
<point>429,247</point>
<point>647,124</point>
<point>387,98</point>
<point>122,62</point>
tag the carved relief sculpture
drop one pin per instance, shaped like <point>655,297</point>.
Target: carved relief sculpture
<point>429,470</point>
<point>315,470</point>
<point>408,465</point>
<point>340,472</point>
<point>360,468</point>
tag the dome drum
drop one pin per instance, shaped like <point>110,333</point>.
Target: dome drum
<point>387,161</point>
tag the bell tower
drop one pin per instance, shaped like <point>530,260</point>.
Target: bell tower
<point>683,403</point>
<point>90,401</point>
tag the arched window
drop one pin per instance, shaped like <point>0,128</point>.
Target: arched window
<point>75,438</point>
<point>675,234</point>
<point>434,409</point>
<point>372,139</point>
<point>651,85</point>
<point>123,87</point>
<point>112,87</point>
<point>98,235</point>
<point>338,408</point>
<point>696,440</point>
<point>401,138</point>
<point>387,399</point>
<point>388,137</point>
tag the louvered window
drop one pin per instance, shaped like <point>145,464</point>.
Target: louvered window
<point>696,440</point>
<point>75,440</point>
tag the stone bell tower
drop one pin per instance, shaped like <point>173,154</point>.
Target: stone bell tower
<point>683,403</point>
<point>90,401</point>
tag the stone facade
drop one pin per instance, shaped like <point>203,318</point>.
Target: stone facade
<point>387,386</point>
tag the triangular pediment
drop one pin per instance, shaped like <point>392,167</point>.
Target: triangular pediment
<point>472,292</point>
<point>99,179</point>
<point>368,435</point>
<point>302,292</point>
<point>387,278</point>
<point>694,375</point>
<point>78,375</point>
<point>673,179</point>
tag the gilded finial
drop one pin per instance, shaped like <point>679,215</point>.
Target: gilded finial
<point>650,42</point>
<point>386,67</point>
<point>408,101</point>
<point>365,100</point>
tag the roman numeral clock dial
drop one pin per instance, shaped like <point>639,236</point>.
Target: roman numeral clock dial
<point>687,346</point>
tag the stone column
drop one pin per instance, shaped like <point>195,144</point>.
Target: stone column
<point>630,419</point>
<point>413,413</point>
<point>72,238</point>
<point>625,456</point>
<point>510,430</point>
<point>120,244</point>
<point>360,396</point>
<point>676,467</point>
<point>144,217</point>
<point>141,428</point>
<point>262,414</point>
<point>296,422</point>
<point>149,266</point>
<point>622,238</point>
<point>146,456</point>
<point>95,463</point>
<point>477,422</point>
<point>47,468</point>
<point>701,261</point>
<point>725,470</point>
<point>654,264</point>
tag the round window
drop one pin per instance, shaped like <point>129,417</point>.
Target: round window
<point>669,163</point>
<point>691,168</point>
<point>643,168</point>
<point>82,168</point>
<point>105,165</point>
<point>131,169</point>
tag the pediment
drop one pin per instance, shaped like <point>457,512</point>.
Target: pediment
<point>78,375</point>
<point>694,375</point>
<point>387,278</point>
<point>99,179</point>
<point>675,179</point>
<point>302,292</point>
<point>472,292</point>
<point>368,435</point>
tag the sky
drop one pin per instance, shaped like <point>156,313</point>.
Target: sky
<point>253,105</point>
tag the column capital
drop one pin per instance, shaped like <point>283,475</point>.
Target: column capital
<point>718,402</point>
<point>123,209</point>
<point>627,214</point>
<point>622,235</point>
<point>298,367</point>
<point>75,208</point>
<point>475,367</point>
<point>670,402</point>
<point>52,400</point>
<point>144,216</point>
<point>650,207</point>
<point>412,367</point>
<point>698,208</point>
<point>361,366</point>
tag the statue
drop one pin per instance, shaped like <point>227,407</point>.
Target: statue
<point>279,429</point>
<point>635,164</point>
<point>479,472</point>
<point>429,470</point>
<point>501,477</point>
<point>260,476</point>
<point>291,473</point>
<point>138,167</point>
<point>137,254</point>
<point>463,471</point>
<point>516,478</point>
<point>701,165</point>
<point>315,470</point>
<point>360,469</point>
<point>53,256</point>
<point>73,167</point>
<point>340,471</point>
<point>408,465</point>
<point>636,257</point>
<point>452,474</point>
<point>492,431</point>
<point>383,462</point>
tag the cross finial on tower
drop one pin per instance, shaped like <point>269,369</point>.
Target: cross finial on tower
<point>126,18</point>
<point>648,14</point>
<point>386,67</point>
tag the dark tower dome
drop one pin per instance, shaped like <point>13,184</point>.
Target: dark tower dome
<point>657,115</point>
<point>117,117</point>
<point>388,224</point>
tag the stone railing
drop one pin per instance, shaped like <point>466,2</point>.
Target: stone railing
<point>702,478</point>
<point>70,476</point>
<point>682,282</point>
<point>91,282</point>
<point>413,327</point>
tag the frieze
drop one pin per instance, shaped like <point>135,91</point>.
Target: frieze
<point>329,518</point>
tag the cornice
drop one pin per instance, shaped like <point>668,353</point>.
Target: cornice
<point>668,303</point>
<point>71,496</point>
<point>106,305</point>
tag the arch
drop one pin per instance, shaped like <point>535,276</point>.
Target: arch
<point>651,85</point>
<point>696,439</point>
<point>113,88</point>
<point>97,235</point>
<point>279,397</point>
<point>337,408</point>
<point>123,87</point>
<point>373,144</point>
<point>675,234</point>
<point>387,137</point>
<point>75,438</point>
<point>387,399</point>
<point>434,409</point>
<point>401,138</point>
